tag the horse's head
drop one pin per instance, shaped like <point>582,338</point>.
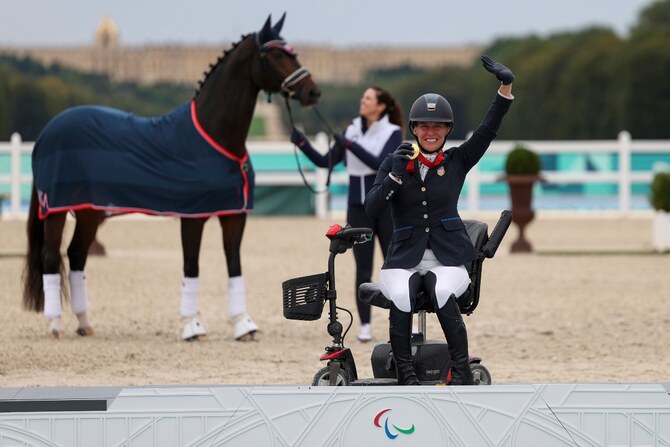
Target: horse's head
<point>278,69</point>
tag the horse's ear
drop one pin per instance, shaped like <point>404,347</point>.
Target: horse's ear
<point>265,34</point>
<point>277,28</point>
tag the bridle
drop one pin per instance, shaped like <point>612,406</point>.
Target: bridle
<point>286,89</point>
<point>285,85</point>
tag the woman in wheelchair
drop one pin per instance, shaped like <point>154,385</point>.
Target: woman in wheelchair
<point>430,246</point>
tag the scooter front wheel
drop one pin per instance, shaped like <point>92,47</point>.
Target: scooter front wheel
<point>480,374</point>
<point>322,377</point>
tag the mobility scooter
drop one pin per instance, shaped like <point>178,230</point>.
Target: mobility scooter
<point>304,299</point>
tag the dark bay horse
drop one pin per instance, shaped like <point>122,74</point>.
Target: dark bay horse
<point>191,163</point>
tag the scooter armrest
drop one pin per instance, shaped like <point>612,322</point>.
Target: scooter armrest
<point>497,235</point>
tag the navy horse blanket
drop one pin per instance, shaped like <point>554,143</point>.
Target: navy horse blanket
<point>93,157</point>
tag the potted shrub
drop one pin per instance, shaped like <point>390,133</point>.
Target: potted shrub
<point>660,201</point>
<point>522,170</point>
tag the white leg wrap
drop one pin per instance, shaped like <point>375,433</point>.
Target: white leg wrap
<point>236,301</point>
<point>52,304</point>
<point>189,297</point>
<point>78,292</point>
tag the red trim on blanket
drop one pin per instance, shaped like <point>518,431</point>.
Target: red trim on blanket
<point>211,141</point>
<point>121,210</point>
<point>218,147</point>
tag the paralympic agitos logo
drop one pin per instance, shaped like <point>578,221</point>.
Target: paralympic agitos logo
<point>389,427</point>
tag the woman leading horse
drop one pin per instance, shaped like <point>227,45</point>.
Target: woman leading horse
<point>191,163</point>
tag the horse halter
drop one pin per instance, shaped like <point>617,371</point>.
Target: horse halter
<point>287,84</point>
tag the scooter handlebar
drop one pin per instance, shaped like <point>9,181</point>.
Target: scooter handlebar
<point>349,234</point>
<point>357,235</point>
<point>343,238</point>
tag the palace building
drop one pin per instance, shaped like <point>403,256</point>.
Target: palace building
<point>153,63</point>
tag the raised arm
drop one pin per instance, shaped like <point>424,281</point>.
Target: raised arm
<point>504,75</point>
<point>473,149</point>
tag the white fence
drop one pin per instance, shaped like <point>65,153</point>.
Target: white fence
<point>624,177</point>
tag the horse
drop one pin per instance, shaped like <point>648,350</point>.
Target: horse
<point>191,163</point>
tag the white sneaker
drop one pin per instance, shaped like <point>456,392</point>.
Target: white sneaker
<point>365,333</point>
<point>245,328</point>
<point>193,330</point>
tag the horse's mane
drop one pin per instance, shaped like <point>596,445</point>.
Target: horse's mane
<point>219,60</point>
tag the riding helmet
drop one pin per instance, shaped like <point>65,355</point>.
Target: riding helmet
<point>430,108</point>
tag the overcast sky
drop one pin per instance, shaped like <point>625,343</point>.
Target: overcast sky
<point>331,22</point>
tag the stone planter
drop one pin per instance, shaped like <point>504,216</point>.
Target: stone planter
<point>661,231</point>
<point>521,194</point>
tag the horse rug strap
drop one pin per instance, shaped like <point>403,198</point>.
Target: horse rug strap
<point>106,159</point>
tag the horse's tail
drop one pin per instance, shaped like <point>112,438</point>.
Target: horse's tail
<point>33,289</point>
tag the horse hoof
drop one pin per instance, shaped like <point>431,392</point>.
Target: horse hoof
<point>196,338</point>
<point>56,334</point>
<point>85,331</point>
<point>251,336</point>
<point>193,330</point>
<point>245,329</point>
<point>56,330</point>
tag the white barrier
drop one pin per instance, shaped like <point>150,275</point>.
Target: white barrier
<point>624,147</point>
<point>546,415</point>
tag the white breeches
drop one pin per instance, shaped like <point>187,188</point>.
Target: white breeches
<point>394,283</point>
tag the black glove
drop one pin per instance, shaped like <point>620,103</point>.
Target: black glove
<point>297,137</point>
<point>400,158</point>
<point>503,73</point>
<point>339,139</point>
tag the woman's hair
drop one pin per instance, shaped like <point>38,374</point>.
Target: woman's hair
<point>393,109</point>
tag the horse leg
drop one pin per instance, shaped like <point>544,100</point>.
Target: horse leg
<point>97,248</point>
<point>52,268</point>
<point>77,252</point>
<point>191,239</point>
<point>232,228</point>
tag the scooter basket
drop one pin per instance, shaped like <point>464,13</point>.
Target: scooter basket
<point>304,297</point>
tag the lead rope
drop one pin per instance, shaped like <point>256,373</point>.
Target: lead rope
<point>295,150</point>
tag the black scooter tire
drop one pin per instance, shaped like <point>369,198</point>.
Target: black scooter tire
<point>322,377</point>
<point>480,374</point>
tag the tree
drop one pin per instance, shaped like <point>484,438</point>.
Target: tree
<point>654,19</point>
<point>4,106</point>
<point>29,109</point>
<point>644,69</point>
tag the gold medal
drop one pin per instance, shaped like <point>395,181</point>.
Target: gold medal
<point>416,151</point>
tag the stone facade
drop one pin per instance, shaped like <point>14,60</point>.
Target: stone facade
<point>148,64</point>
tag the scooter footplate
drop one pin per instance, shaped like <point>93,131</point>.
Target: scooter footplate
<point>375,382</point>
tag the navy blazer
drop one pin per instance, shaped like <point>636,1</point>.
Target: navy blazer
<point>425,213</point>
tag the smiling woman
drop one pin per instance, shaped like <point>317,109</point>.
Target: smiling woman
<point>431,136</point>
<point>430,244</point>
